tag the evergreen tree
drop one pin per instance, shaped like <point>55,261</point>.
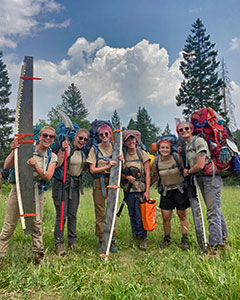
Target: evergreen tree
<point>149,131</point>
<point>115,120</point>
<point>132,125</point>
<point>6,114</point>
<point>201,86</point>
<point>167,130</point>
<point>73,106</point>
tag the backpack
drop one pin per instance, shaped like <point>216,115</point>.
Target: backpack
<point>212,127</point>
<point>160,187</point>
<point>94,140</point>
<point>44,185</point>
<point>61,136</point>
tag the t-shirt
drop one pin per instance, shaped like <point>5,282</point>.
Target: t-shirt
<point>168,170</point>
<point>42,160</point>
<point>104,151</point>
<point>132,160</point>
<point>195,146</point>
<point>76,163</point>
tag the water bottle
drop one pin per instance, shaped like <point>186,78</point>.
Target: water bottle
<point>212,145</point>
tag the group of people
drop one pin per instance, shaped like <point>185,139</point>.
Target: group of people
<point>137,177</point>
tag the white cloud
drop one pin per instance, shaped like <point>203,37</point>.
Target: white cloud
<point>234,44</point>
<point>19,18</point>
<point>194,11</point>
<point>110,78</point>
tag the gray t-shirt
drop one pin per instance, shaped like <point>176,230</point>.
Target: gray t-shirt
<point>195,146</point>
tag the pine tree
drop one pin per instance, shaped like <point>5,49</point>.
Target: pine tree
<point>201,86</point>
<point>73,106</point>
<point>167,130</point>
<point>132,124</point>
<point>115,120</point>
<point>6,114</point>
<point>149,131</point>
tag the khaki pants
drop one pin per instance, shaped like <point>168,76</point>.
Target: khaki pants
<point>100,207</point>
<point>11,220</point>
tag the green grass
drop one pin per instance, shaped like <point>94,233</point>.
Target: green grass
<point>129,274</point>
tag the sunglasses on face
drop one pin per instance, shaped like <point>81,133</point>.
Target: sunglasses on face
<point>102,134</point>
<point>185,128</point>
<point>82,138</point>
<point>51,136</point>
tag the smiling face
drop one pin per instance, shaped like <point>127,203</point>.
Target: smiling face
<point>164,149</point>
<point>46,138</point>
<point>80,139</point>
<point>131,142</point>
<point>104,135</point>
<point>185,131</point>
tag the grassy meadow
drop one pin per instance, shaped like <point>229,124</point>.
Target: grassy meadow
<point>129,274</point>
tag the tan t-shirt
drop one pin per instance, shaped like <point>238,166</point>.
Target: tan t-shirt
<point>42,160</point>
<point>104,151</point>
<point>76,163</point>
<point>132,160</point>
<point>168,170</point>
<point>195,146</point>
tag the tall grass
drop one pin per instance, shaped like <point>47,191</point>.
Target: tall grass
<point>129,274</point>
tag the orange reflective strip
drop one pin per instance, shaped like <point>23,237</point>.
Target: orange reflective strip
<point>103,255</point>
<point>31,78</point>
<point>28,215</point>
<point>113,187</point>
<point>21,136</point>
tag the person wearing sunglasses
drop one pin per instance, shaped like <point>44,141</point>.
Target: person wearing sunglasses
<point>198,156</point>
<point>43,169</point>
<point>76,160</point>
<point>100,162</point>
<point>168,166</point>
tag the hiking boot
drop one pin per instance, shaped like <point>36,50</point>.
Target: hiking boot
<point>38,258</point>
<point>73,246</point>
<point>143,244</point>
<point>113,247</point>
<point>213,253</point>
<point>60,249</point>
<point>184,244</point>
<point>165,243</point>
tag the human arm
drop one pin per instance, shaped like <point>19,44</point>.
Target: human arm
<point>44,175</point>
<point>201,158</point>
<point>96,170</point>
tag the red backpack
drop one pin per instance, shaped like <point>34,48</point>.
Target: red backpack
<point>211,126</point>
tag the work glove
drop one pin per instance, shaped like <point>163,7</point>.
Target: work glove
<point>225,155</point>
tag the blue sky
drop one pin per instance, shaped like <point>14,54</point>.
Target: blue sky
<point>121,54</point>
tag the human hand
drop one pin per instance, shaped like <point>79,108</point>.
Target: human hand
<point>31,162</point>
<point>14,145</point>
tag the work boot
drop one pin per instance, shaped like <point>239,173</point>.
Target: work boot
<point>184,243</point>
<point>113,247</point>
<point>60,249</point>
<point>166,242</point>
<point>73,246</point>
<point>143,244</point>
<point>213,253</point>
<point>38,257</point>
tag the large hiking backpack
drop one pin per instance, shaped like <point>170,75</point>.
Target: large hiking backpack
<point>212,127</point>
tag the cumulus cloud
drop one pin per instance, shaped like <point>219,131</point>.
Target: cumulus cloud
<point>20,18</point>
<point>111,78</point>
<point>234,44</point>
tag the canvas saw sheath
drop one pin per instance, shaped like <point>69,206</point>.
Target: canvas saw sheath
<point>113,195</point>
<point>24,126</point>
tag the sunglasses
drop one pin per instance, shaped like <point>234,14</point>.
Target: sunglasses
<point>102,134</point>
<point>185,128</point>
<point>51,136</point>
<point>82,138</point>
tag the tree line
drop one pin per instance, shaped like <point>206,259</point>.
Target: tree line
<point>202,86</point>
